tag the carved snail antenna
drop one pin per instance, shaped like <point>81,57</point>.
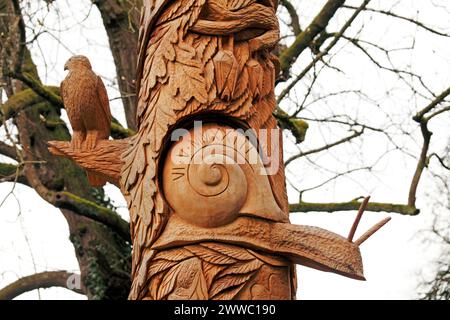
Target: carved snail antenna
<point>211,167</point>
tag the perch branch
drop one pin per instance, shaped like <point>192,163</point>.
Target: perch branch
<point>105,159</point>
<point>46,279</point>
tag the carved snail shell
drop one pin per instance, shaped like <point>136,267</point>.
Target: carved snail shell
<point>209,180</point>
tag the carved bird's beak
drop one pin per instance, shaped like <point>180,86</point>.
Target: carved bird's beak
<point>66,67</point>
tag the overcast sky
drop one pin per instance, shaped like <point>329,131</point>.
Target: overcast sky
<point>394,259</point>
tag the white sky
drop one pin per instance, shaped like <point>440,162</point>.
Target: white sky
<point>394,259</point>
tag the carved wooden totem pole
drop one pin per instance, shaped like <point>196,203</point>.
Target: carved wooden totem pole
<point>208,205</point>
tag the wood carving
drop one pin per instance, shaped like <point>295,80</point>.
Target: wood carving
<point>209,215</point>
<point>86,101</point>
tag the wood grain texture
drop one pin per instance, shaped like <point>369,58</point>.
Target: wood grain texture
<point>186,68</point>
<point>310,246</point>
<point>104,160</point>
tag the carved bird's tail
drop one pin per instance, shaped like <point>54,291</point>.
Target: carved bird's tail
<point>95,179</point>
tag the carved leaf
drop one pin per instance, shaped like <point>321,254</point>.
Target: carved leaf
<point>187,79</point>
<point>210,255</point>
<point>168,283</point>
<point>159,266</point>
<point>178,254</point>
<point>229,293</point>
<point>231,251</point>
<point>228,282</point>
<point>242,268</point>
<point>211,271</point>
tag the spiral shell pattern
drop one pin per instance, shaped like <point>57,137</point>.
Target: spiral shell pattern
<point>209,187</point>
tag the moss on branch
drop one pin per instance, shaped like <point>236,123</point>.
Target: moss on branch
<point>7,169</point>
<point>353,205</point>
<point>22,100</point>
<point>39,89</point>
<point>296,126</point>
<point>119,132</point>
<point>89,209</point>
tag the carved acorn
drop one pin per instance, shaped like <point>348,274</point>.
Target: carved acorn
<point>219,170</point>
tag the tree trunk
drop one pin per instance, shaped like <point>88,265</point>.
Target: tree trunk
<point>121,21</point>
<point>103,256</point>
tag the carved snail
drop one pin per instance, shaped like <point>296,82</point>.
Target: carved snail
<point>213,175</point>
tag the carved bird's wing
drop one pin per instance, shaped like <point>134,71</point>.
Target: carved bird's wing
<point>65,94</point>
<point>105,111</point>
<point>172,80</point>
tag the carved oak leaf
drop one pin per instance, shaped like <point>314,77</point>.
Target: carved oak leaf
<point>228,282</point>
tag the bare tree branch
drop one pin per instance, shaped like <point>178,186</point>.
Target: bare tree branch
<point>22,36</point>
<point>411,20</point>
<point>8,151</point>
<point>295,20</point>
<point>89,209</point>
<point>323,53</point>
<point>46,279</point>
<point>441,97</point>
<point>304,39</point>
<point>352,205</point>
<point>325,147</point>
<point>421,118</point>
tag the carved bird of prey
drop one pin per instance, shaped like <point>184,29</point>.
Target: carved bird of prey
<point>86,101</point>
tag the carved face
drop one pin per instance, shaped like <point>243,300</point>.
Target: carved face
<point>77,62</point>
